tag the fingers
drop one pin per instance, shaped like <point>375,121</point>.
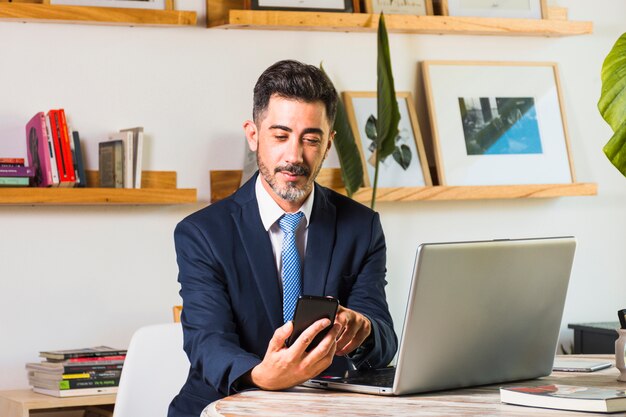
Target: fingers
<point>356,328</point>
<point>281,334</point>
<point>322,355</point>
<point>304,340</point>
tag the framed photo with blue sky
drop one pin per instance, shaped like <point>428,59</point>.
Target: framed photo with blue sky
<point>497,123</point>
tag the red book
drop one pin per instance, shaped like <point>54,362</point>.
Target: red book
<point>64,179</point>
<point>38,150</point>
<point>12,161</point>
<point>67,147</point>
<point>97,359</point>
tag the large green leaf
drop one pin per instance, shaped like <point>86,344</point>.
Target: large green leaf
<point>612,103</point>
<point>388,116</point>
<point>347,151</point>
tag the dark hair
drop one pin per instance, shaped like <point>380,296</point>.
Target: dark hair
<point>294,80</point>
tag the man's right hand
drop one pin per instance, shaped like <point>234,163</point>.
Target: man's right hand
<point>284,367</point>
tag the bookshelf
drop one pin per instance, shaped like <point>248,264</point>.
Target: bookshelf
<point>22,11</point>
<point>225,182</point>
<point>228,14</point>
<point>158,188</point>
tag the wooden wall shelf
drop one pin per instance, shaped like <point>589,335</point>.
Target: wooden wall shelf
<point>223,17</point>
<point>224,183</point>
<point>33,12</point>
<point>159,188</point>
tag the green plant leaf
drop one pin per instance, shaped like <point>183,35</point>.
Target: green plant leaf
<point>612,103</point>
<point>347,151</point>
<point>370,128</point>
<point>388,114</point>
<point>402,155</point>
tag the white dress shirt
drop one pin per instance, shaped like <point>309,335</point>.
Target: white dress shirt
<point>271,212</point>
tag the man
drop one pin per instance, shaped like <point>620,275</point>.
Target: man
<point>240,271</point>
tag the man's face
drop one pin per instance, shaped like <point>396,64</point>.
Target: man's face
<point>291,139</point>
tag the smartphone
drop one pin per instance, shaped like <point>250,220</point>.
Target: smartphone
<point>310,309</point>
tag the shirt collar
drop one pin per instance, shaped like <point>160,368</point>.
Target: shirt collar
<point>270,211</point>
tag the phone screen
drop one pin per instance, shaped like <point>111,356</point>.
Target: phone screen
<point>310,309</point>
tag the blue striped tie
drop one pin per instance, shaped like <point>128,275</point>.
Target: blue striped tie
<point>292,282</point>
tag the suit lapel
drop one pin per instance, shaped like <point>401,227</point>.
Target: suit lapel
<point>320,243</point>
<point>258,247</point>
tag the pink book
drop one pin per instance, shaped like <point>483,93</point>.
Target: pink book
<point>38,151</point>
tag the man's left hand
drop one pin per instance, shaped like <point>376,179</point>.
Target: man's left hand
<point>355,328</point>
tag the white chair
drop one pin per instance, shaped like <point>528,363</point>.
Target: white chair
<point>154,371</point>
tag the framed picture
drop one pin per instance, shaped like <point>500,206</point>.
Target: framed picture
<point>407,166</point>
<point>516,9</point>
<point>414,7</point>
<point>497,123</point>
<point>125,4</point>
<point>303,5</point>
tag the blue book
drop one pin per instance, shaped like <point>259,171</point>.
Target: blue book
<point>81,176</point>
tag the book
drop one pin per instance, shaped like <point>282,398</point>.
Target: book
<point>55,132</point>
<point>80,161</point>
<point>127,140</point>
<point>54,169</point>
<point>38,151</point>
<point>12,161</point>
<point>76,392</point>
<point>67,147</point>
<point>103,360</point>
<point>97,351</point>
<point>137,154</point>
<point>111,164</point>
<point>65,384</point>
<point>17,172</point>
<point>47,376</point>
<point>14,181</point>
<point>566,397</point>
<point>60,368</point>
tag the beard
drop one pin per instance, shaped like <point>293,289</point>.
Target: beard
<point>291,191</point>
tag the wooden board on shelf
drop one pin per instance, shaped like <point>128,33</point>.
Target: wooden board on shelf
<point>30,12</point>
<point>149,179</point>
<point>224,183</point>
<point>355,22</point>
<point>159,189</point>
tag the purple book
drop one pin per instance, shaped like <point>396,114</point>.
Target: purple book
<point>38,151</point>
<point>17,172</point>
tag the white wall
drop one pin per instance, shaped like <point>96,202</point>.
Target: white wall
<point>81,276</point>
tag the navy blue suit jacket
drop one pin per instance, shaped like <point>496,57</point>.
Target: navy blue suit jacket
<point>232,299</point>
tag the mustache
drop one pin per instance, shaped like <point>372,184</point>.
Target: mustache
<point>294,169</point>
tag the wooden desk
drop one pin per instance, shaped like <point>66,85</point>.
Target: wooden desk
<point>26,403</point>
<point>481,401</point>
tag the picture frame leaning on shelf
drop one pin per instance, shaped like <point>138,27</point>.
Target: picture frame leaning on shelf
<point>512,9</point>
<point>497,123</point>
<point>412,7</point>
<point>338,6</point>
<point>122,4</point>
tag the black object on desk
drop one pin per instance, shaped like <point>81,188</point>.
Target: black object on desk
<point>590,338</point>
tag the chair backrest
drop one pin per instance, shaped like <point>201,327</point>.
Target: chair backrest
<point>155,369</point>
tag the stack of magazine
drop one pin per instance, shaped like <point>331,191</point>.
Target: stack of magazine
<point>68,373</point>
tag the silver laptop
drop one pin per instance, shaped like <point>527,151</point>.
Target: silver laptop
<point>478,313</point>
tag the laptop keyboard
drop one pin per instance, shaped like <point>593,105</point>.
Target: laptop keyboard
<point>375,377</point>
